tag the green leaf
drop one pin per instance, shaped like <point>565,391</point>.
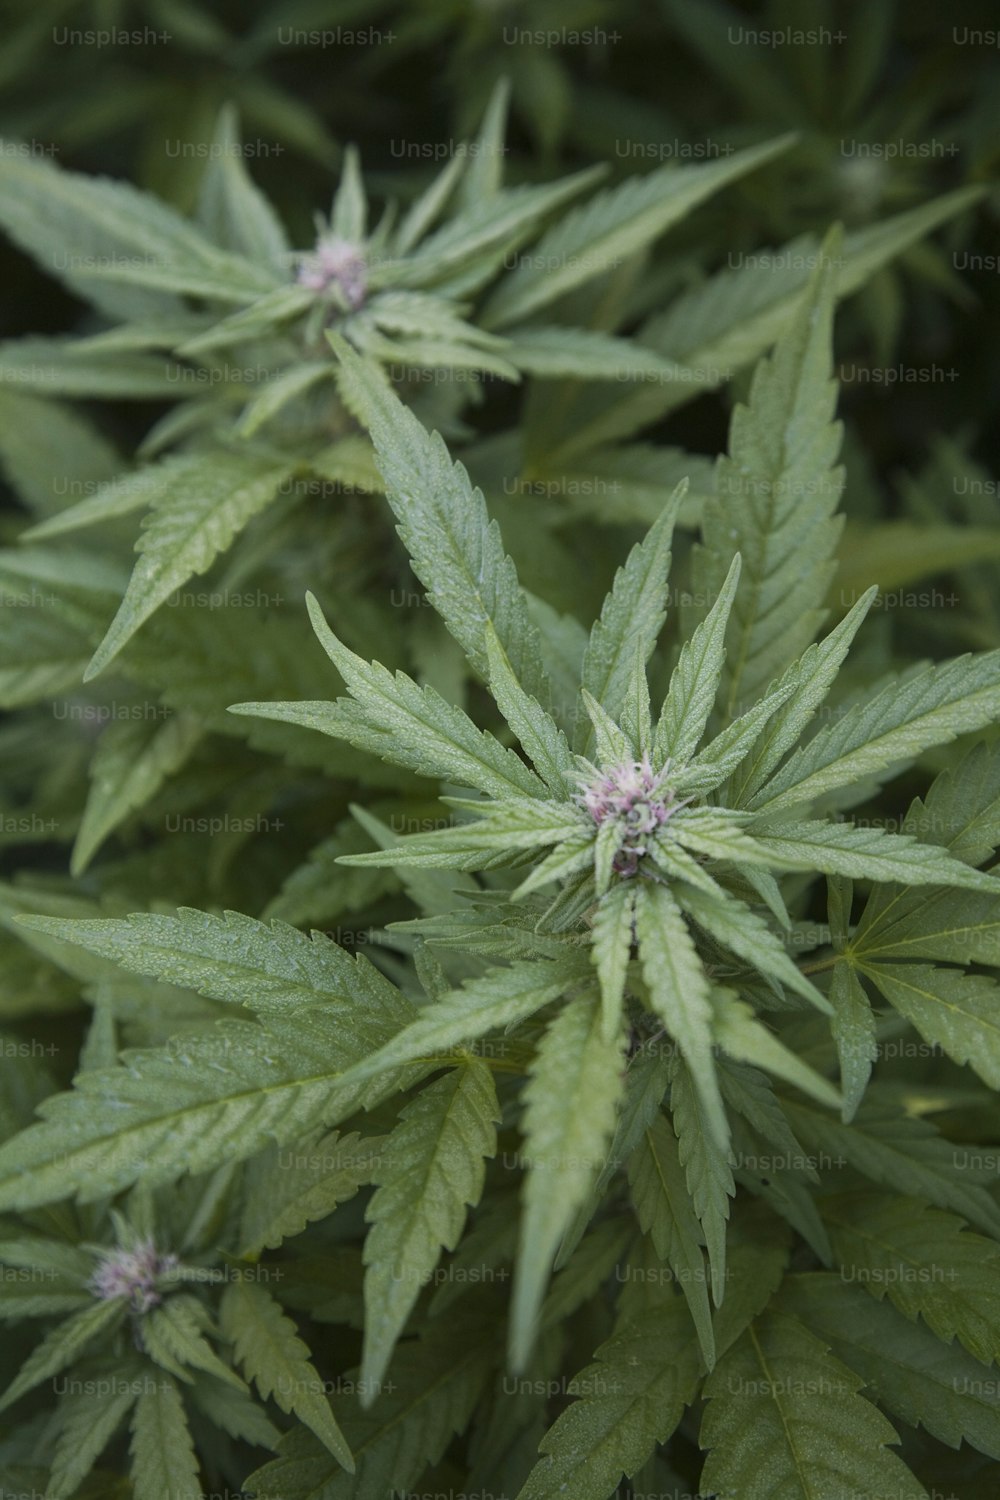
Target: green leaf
<point>505,828</point>
<point>422,214</point>
<point>582,354</point>
<point>410,725</point>
<point>432,1166</point>
<point>427,318</point>
<point>666,1213</point>
<point>172,1335</point>
<point>756,1265</point>
<point>853,1029</point>
<point>477,239</point>
<point>43,441</point>
<point>784,1417</point>
<point>679,994</point>
<point>839,904</point>
<point>610,948</point>
<point>186,530</point>
<point>63,1345</point>
<point>67,1263</point>
<point>151,334</point>
<point>517,821</point>
<point>88,1419</point>
<point>437,1381</point>
<point>962,814</point>
<point>636,715</point>
<point>430,352</point>
<point>646,1082</point>
<point>570,1103</point>
<point>631,1398</point>
<point>209,1099</point>
<point>956,926</point>
<point>78,226</point>
<point>865,853</point>
<point>712,765</point>
<point>631,619</point>
<point>902,1153</point>
<point>915,1377</point>
<point>776,495</point>
<point>132,761</point>
<point>260,318</point>
<point>811,678</point>
<point>19,1299</point>
<point>270,968</point>
<point>152,484</point>
<point>163,1457</point>
<point>542,739</point>
<point>896,553</point>
<point>456,551</point>
<point>500,997</point>
<point>750,1094</point>
<point>927,1262</point>
<point>348,461</point>
<point>276,1360</point>
<point>695,680</point>
<point>230,278</point>
<point>569,859</point>
<point>931,706</point>
<point>728,321</point>
<point>612,743</point>
<point>60,367</point>
<point>585,1271</point>
<point>275,394</point>
<point>484,178</point>
<point>288,1189</point>
<point>706,1170</point>
<point>715,833</point>
<point>234,1411</point>
<point>563,641</point>
<point>79,583</point>
<point>962,809</point>
<point>740,929</point>
<point>349,216</point>
<point>231,209</point>
<point>746,1039</point>
<point>613,225</point>
<point>954,1011</point>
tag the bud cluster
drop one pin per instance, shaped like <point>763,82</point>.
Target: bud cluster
<point>132,1274</point>
<point>336,263</point>
<point>635,796</point>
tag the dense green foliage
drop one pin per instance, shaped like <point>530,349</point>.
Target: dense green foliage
<point>499,768</point>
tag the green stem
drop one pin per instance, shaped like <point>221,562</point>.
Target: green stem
<point>826,963</point>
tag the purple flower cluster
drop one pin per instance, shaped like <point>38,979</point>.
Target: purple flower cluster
<point>633,794</point>
<point>132,1274</point>
<point>336,262</point>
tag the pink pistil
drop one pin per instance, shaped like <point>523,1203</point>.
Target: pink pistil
<point>336,262</point>
<point>634,796</point>
<point>132,1274</point>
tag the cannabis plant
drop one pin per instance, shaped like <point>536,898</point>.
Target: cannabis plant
<point>251,463</point>
<point>135,1332</point>
<point>598,1166</point>
<point>222,321</point>
<point>223,314</point>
